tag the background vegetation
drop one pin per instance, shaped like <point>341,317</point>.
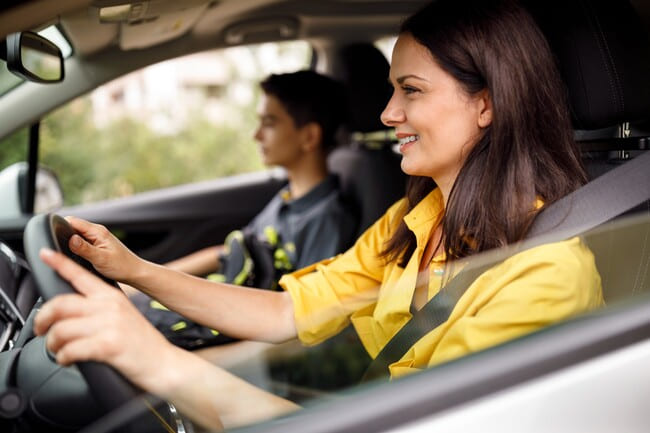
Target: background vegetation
<point>94,165</point>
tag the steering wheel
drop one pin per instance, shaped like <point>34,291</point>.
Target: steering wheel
<point>109,388</point>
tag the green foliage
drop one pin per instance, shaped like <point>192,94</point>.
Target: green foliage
<point>127,157</point>
<point>14,148</point>
<point>7,79</point>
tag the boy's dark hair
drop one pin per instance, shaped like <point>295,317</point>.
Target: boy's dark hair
<point>310,97</point>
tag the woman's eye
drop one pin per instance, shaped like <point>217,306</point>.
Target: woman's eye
<point>408,89</point>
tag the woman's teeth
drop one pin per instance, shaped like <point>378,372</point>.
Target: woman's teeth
<point>403,141</point>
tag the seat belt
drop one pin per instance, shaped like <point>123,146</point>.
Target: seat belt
<point>595,203</point>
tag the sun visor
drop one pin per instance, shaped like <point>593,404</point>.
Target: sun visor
<point>147,23</point>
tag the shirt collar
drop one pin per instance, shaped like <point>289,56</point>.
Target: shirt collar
<point>430,208</point>
<point>428,211</point>
<point>316,194</point>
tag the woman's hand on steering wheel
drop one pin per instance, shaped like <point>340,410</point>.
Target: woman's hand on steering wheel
<point>108,255</point>
<point>101,324</point>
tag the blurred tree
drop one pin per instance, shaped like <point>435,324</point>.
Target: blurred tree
<point>126,157</point>
<point>14,148</point>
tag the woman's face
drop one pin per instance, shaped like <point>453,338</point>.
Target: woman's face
<point>435,120</point>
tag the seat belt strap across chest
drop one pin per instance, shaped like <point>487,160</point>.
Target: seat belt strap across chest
<point>600,200</point>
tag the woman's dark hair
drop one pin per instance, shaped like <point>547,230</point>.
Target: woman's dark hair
<point>310,97</point>
<point>527,152</point>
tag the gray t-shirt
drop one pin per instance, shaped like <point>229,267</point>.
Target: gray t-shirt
<point>313,227</point>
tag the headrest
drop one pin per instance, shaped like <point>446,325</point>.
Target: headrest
<point>364,69</point>
<point>603,51</point>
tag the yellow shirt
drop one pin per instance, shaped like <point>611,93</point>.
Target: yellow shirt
<point>526,292</point>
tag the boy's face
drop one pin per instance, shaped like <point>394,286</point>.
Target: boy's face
<point>280,140</point>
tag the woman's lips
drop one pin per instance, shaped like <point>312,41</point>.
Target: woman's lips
<point>406,141</point>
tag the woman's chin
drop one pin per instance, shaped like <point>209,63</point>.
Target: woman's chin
<point>409,167</point>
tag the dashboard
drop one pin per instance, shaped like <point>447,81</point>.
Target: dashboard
<point>17,295</point>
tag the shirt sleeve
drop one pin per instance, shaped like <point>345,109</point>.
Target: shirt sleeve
<point>525,293</point>
<point>325,294</point>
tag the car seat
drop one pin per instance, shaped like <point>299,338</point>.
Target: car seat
<point>368,169</point>
<point>603,53</point>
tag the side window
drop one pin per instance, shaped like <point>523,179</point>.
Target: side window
<point>13,148</point>
<point>180,121</point>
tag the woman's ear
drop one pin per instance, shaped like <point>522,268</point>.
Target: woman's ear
<point>312,136</point>
<point>485,109</point>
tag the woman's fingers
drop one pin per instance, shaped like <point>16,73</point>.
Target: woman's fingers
<point>78,277</point>
<point>93,242</point>
<point>80,350</point>
<point>62,306</point>
<point>107,254</point>
<point>83,248</point>
<point>101,324</point>
<point>90,231</point>
<point>91,236</point>
<point>71,329</point>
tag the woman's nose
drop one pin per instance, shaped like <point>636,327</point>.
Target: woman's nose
<point>393,114</point>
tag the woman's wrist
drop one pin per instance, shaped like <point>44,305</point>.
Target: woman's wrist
<point>165,378</point>
<point>142,271</point>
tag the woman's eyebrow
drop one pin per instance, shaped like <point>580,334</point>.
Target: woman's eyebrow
<point>400,80</point>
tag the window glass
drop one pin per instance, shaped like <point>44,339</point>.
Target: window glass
<point>386,45</point>
<point>7,79</point>
<point>180,121</point>
<point>54,35</point>
<point>13,148</point>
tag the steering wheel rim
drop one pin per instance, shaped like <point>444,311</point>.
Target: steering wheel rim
<point>109,388</point>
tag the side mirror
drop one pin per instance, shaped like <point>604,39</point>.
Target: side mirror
<point>48,196</point>
<point>34,58</point>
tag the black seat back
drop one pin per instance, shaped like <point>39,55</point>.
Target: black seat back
<point>369,171</point>
<point>603,52</point>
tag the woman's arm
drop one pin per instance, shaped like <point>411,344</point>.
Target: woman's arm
<point>241,312</point>
<point>98,324</point>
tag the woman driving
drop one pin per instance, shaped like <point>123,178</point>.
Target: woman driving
<point>484,131</point>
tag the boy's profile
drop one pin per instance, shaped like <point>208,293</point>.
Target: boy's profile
<point>305,222</point>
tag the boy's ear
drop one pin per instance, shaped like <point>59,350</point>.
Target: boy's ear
<point>312,136</point>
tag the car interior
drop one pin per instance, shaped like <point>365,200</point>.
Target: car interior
<point>603,52</point>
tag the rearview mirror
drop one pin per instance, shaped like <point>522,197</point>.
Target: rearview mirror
<point>34,58</point>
